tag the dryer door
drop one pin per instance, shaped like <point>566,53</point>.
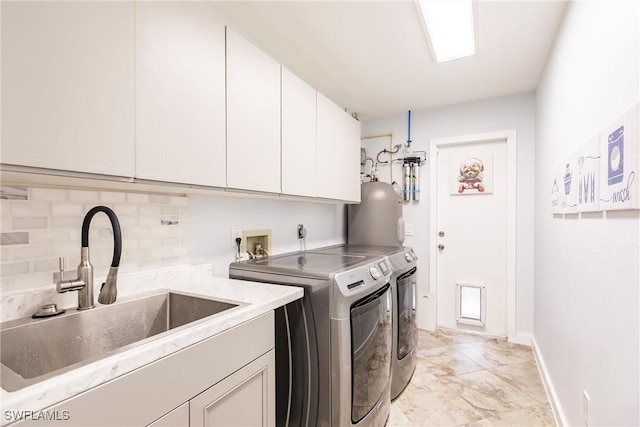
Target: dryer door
<point>406,313</point>
<point>371,342</point>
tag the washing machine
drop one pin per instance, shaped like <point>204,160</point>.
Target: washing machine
<point>334,346</point>
<point>404,278</point>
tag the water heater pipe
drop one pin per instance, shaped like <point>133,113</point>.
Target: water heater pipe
<point>409,130</point>
<point>383,135</point>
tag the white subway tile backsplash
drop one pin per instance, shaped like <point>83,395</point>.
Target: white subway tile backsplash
<point>36,231</point>
<point>27,281</point>
<point>150,211</point>
<point>47,195</point>
<point>14,268</point>
<point>65,249</point>
<point>170,241</point>
<point>122,209</point>
<point>66,221</point>
<point>170,261</point>
<point>22,223</point>
<point>76,196</point>
<point>13,193</point>
<point>6,223</point>
<point>51,235</point>
<point>105,233</point>
<point>159,200</point>
<point>6,253</point>
<point>15,238</point>
<point>66,209</point>
<point>51,264</point>
<point>112,197</point>
<point>179,201</point>
<point>27,208</point>
<point>149,221</point>
<point>30,252</point>
<point>138,199</point>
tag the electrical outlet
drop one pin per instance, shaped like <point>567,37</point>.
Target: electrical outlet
<point>302,232</point>
<point>586,408</point>
<point>408,229</point>
<point>236,232</point>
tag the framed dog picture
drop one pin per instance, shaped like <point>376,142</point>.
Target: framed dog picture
<point>471,175</point>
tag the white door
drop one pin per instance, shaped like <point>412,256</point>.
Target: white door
<point>471,236</point>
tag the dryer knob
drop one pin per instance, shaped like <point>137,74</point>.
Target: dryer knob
<point>375,273</point>
<point>408,257</point>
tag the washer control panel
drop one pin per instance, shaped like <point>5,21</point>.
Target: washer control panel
<point>375,273</point>
<point>362,279</point>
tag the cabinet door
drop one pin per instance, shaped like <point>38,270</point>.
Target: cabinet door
<point>180,93</point>
<point>253,117</point>
<point>68,86</point>
<point>179,417</point>
<point>245,398</point>
<point>338,152</point>
<point>299,156</point>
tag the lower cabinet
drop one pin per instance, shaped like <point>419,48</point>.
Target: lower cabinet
<point>225,380</point>
<point>245,398</point>
<point>242,399</point>
<point>179,417</point>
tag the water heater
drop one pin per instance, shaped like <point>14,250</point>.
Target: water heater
<point>377,220</point>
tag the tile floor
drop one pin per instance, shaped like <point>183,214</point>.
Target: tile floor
<point>468,380</point>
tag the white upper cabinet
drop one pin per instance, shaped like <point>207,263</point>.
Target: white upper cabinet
<point>299,155</point>
<point>180,93</point>
<point>253,117</point>
<point>68,86</point>
<point>338,152</point>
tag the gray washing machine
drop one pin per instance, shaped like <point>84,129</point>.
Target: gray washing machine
<point>404,290</point>
<point>333,347</point>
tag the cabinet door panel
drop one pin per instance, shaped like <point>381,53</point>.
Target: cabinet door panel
<point>179,417</point>
<point>299,156</point>
<point>245,398</point>
<point>338,152</point>
<point>68,86</point>
<point>180,88</point>
<point>253,117</point>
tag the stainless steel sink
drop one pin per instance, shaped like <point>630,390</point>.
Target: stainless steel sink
<point>34,350</point>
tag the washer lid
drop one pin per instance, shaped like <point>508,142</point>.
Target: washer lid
<point>313,262</point>
<point>359,250</point>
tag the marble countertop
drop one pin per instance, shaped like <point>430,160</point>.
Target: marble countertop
<point>259,298</point>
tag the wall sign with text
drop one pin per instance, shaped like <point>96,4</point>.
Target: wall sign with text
<point>604,174</point>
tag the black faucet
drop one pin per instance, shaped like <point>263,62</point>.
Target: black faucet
<point>84,282</point>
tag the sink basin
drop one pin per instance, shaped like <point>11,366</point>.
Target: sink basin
<point>34,350</point>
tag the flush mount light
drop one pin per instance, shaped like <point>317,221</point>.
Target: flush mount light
<point>449,27</point>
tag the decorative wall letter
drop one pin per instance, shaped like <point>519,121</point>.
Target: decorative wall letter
<point>589,176</point>
<point>619,162</point>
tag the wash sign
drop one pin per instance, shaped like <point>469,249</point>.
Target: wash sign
<point>603,174</point>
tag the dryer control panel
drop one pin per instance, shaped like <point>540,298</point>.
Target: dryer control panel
<point>352,284</point>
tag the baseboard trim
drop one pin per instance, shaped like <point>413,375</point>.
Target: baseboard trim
<point>552,395</point>
<point>523,339</point>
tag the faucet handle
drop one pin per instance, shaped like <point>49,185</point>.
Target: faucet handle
<point>61,263</point>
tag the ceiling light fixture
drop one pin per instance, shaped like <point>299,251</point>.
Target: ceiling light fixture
<point>449,27</point>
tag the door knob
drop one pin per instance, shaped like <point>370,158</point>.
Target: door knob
<point>441,246</point>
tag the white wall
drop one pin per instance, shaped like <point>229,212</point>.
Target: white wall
<point>504,113</point>
<point>587,272</point>
<point>213,217</point>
